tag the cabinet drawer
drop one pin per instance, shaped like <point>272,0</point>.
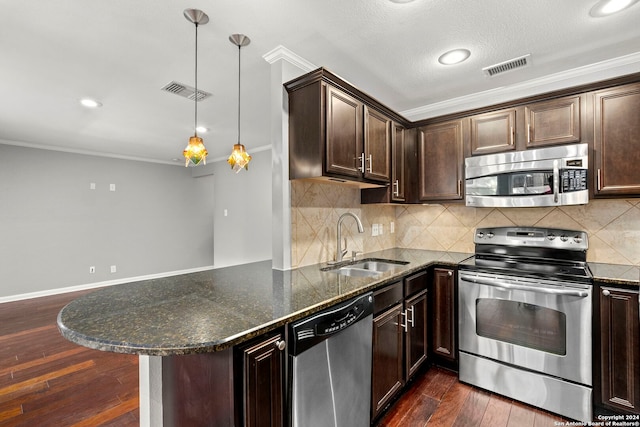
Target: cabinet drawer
<point>415,283</point>
<point>387,296</point>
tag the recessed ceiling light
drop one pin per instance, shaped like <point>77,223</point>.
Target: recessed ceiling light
<point>455,56</point>
<point>401,1</point>
<point>609,7</point>
<point>90,103</point>
<point>202,129</point>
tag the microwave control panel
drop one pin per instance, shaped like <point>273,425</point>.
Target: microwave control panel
<point>573,180</point>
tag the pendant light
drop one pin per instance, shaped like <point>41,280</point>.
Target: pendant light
<point>239,157</point>
<point>195,152</point>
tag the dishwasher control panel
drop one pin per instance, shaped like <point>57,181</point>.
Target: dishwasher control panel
<point>318,327</point>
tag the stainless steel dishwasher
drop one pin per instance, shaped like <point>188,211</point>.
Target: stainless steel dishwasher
<point>330,355</point>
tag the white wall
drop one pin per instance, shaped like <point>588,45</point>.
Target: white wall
<point>244,234</point>
<point>53,227</point>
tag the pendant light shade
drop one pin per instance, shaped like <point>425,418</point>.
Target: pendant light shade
<point>239,157</point>
<point>195,151</point>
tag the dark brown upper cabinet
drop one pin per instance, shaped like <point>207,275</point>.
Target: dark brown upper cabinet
<point>539,124</point>
<point>337,133</point>
<point>553,122</point>
<point>398,162</point>
<point>617,141</point>
<point>493,132</point>
<point>441,161</point>
<point>344,134</point>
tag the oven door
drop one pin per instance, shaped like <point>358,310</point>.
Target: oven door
<point>540,325</point>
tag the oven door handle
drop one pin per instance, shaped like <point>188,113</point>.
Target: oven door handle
<point>509,285</point>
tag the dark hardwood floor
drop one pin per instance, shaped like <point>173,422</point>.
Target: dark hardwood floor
<point>438,399</point>
<point>46,380</point>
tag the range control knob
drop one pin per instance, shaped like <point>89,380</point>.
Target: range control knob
<point>551,236</point>
<point>480,234</point>
<point>490,235</point>
<point>564,237</point>
<point>577,239</point>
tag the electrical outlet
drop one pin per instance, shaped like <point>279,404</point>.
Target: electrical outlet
<point>113,268</point>
<point>374,229</point>
<point>112,187</point>
<point>380,229</point>
<point>92,269</point>
<point>92,186</point>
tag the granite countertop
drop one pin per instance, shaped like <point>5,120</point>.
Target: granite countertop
<point>216,309</point>
<point>615,274</point>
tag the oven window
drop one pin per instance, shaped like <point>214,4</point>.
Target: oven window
<point>522,324</point>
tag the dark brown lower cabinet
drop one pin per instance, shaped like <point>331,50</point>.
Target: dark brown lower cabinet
<point>416,336</point>
<point>443,315</point>
<point>619,350</point>
<point>400,344</point>
<point>387,358</point>
<point>262,387</point>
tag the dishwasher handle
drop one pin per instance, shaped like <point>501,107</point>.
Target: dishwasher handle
<point>316,328</point>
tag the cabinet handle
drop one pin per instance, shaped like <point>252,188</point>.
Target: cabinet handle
<point>513,135</point>
<point>606,293</point>
<point>413,316</point>
<point>370,170</point>
<point>449,273</point>
<point>361,158</point>
<point>598,179</point>
<point>405,324</point>
<point>396,188</point>
<point>281,345</point>
<point>528,133</point>
<point>459,187</point>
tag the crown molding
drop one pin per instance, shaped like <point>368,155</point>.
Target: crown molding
<point>598,71</point>
<point>282,53</point>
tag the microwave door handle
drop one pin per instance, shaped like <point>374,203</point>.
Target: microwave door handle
<point>556,181</point>
<point>511,286</point>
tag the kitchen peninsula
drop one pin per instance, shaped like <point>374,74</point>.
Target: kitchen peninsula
<point>200,317</point>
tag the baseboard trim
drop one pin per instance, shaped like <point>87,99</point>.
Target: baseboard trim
<point>50,292</point>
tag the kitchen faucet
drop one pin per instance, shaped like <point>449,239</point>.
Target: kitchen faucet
<point>340,253</point>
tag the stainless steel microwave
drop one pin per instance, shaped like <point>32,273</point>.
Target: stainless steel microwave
<point>553,176</point>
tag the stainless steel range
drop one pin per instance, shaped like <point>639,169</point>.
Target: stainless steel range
<point>525,310</point>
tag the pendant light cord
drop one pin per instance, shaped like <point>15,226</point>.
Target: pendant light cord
<point>239,47</point>
<point>195,97</point>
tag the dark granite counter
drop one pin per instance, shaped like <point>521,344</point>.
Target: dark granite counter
<point>216,309</point>
<point>615,274</point>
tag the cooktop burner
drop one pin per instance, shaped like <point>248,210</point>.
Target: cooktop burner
<point>531,251</point>
<point>539,267</point>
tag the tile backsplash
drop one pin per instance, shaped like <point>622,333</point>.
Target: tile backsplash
<point>613,226</point>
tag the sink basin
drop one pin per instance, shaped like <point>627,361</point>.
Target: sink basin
<point>368,267</point>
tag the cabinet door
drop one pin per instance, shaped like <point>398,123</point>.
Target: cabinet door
<point>263,383</point>
<point>377,145</point>
<point>493,132</point>
<point>620,349</point>
<point>398,157</point>
<point>387,377</point>
<point>416,335</point>
<point>616,141</point>
<point>441,161</point>
<point>344,134</point>
<point>443,313</point>
<point>553,122</point>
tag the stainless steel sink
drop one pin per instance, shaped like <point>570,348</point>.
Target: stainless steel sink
<point>368,268</point>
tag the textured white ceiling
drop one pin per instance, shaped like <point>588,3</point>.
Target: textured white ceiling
<point>122,52</point>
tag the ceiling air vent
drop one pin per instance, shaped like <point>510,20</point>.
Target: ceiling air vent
<point>509,65</point>
<point>185,91</point>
